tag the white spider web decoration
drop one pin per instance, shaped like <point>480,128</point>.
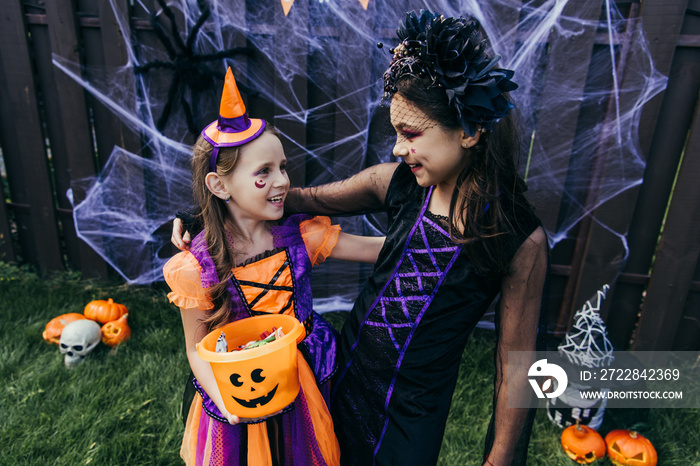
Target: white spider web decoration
<point>587,344</point>
<point>318,71</point>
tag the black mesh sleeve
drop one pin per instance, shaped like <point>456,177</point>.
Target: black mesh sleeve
<point>362,193</point>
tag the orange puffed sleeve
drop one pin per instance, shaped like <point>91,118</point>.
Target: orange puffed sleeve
<point>319,237</point>
<point>182,274</point>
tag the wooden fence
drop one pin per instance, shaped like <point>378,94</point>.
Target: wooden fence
<point>46,123</point>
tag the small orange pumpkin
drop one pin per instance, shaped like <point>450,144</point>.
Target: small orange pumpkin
<point>626,447</point>
<point>53,330</point>
<point>582,444</point>
<point>104,311</point>
<point>116,332</point>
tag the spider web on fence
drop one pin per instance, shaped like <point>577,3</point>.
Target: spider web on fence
<point>123,217</point>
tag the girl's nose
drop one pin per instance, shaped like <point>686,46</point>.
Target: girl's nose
<point>400,149</point>
<point>281,180</point>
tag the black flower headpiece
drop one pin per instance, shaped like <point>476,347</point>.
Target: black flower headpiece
<point>450,53</point>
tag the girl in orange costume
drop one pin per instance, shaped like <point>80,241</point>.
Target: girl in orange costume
<point>249,261</point>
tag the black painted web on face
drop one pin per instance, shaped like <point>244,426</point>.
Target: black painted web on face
<point>407,120</point>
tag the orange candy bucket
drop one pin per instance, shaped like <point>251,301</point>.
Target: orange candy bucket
<point>259,381</point>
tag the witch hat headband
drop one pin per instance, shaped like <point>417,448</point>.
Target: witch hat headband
<point>234,127</point>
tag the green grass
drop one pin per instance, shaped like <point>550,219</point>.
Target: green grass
<point>122,406</point>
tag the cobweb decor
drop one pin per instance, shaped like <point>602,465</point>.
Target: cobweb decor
<point>190,70</point>
<point>316,74</point>
<point>587,344</point>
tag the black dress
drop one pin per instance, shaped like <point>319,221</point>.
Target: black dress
<point>401,346</point>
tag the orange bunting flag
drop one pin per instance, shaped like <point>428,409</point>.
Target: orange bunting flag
<point>364,3</point>
<point>287,5</point>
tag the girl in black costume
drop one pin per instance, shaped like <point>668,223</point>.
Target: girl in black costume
<point>460,232</point>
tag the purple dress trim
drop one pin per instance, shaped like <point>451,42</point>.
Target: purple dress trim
<point>379,296</point>
<point>377,314</point>
<point>402,351</point>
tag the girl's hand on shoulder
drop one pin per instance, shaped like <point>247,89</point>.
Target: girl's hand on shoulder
<point>180,238</point>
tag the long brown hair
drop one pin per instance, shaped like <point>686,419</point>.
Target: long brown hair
<point>218,224</point>
<point>489,191</point>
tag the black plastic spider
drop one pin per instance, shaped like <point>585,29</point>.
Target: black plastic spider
<point>189,68</point>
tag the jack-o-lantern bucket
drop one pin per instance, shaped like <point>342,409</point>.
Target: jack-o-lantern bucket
<point>258,381</point>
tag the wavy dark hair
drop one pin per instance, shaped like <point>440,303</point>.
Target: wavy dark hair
<point>217,222</point>
<point>489,195</point>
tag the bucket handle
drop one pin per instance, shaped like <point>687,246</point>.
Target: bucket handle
<point>301,333</point>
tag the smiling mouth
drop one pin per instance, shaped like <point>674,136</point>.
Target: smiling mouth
<point>276,199</point>
<point>414,166</point>
<point>255,402</point>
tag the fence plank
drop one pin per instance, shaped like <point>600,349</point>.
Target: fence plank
<point>23,148</point>
<point>676,256</point>
<point>298,87</point>
<point>597,258</point>
<point>7,253</point>
<point>69,132</point>
<point>555,130</point>
<point>507,24</point>
<point>675,118</point>
<point>111,131</point>
<point>354,71</point>
<point>688,334</point>
<point>662,21</point>
<point>109,50</point>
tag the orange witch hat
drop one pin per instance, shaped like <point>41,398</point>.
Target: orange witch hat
<point>233,127</point>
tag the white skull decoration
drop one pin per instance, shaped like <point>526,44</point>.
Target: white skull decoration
<point>78,339</point>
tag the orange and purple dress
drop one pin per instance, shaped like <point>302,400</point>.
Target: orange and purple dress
<point>277,281</point>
